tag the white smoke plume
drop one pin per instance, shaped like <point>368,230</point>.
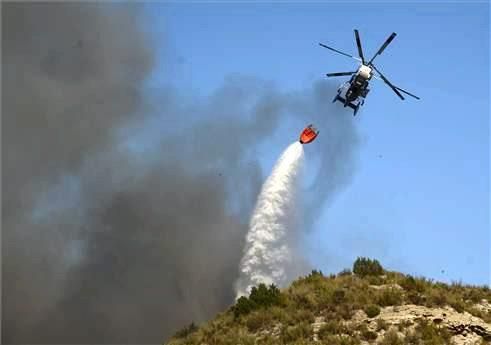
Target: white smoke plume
<point>269,250</point>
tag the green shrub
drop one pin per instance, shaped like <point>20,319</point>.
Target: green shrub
<point>264,296</point>
<point>324,300</point>
<point>411,284</point>
<point>475,295</point>
<point>243,306</point>
<point>345,272</point>
<point>338,296</point>
<point>457,304</point>
<point>316,273</point>
<point>485,316</point>
<point>391,338</point>
<point>484,342</point>
<point>361,297</point>
<point>416,298</point>
<point>388,297</point>
<point>428,334</point>
<point>332,327</point>
<point>375,280</point>
<point>404,324</point>
<point>341,340</point>
<point>303,315</point>
<point>304,299</point>
<point>184,332</point>
<point>411,338</point>
<point>369,335</point>
<point>229,337</point>
<point>260,296</point>
<point>345,310</point>
<point>278,313</point>
<point>372,310</point>
<point>291,334</point>
<point>365,333</point>
<point>364,267</point>
<point>382,325</point>
<point>437,297</point>
<point>257,320</point>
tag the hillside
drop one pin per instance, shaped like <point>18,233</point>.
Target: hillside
<point>367,305</point>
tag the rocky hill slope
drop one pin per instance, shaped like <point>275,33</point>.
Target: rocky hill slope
<point>366,306</point>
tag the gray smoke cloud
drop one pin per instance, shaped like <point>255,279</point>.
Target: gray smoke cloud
<point>101,244</point>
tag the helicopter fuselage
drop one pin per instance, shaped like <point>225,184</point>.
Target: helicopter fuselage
<point>359,84</point>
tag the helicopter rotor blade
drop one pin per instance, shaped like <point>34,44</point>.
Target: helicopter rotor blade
<point>382,48</point>
<point>338,74</point>
<point>407,93</point>
<point>398,88</point>
<point>358,44</point>
<point>388,83</point>
<point>337,51</point>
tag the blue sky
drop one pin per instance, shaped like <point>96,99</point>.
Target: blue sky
<point>419,200</point>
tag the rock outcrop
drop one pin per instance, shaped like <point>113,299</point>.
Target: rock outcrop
<point>465,328</point>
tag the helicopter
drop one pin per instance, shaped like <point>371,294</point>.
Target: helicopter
<point>353,93</point>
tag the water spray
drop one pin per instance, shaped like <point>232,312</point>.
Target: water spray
<point>269,248</point>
